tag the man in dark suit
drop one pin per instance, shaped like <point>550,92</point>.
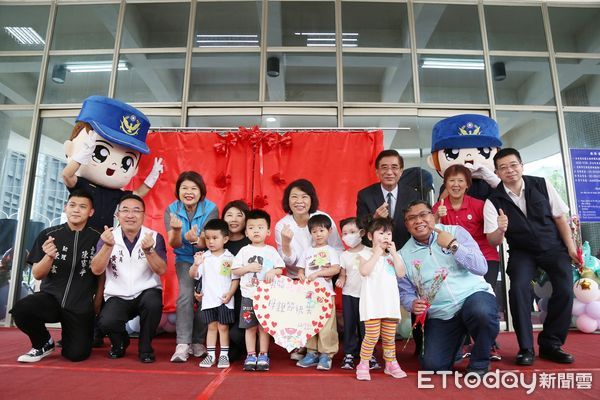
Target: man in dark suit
<point>391,195</point>
<point>388,197</point>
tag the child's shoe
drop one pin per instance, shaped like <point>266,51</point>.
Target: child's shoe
<point>348,362</point>
<point>250,363</point>
<point>223,361</point>
<point>263,363</point>
<point>393,368</point>
<point>373,364</point>
<point>309,360</point>
<point>208,362</point>
<point>324,362</point>
<point>494,354</point>
<point>362,371</point>
<point>296,355</point>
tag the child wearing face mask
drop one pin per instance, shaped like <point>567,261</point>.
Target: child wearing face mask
<point>349,281</point>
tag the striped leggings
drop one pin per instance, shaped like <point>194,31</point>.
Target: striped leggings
<point>373,328</point>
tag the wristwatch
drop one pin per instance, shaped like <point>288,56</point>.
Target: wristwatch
<point>453,245</point>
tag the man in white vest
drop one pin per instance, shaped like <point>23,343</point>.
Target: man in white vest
<point>133,257</point>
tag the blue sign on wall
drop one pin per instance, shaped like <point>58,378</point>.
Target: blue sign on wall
<point>586,172</point>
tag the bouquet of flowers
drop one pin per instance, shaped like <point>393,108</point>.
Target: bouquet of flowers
<point>576,234</point>
<point>427,294</point>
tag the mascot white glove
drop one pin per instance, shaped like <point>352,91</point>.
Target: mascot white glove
<point>153,176</point>
<point>481,171</point>
<point>85,153</point>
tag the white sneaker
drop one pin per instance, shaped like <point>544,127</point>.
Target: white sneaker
<point>207,362</point>
<point>35,355</point>
<point>181,353</point>
<point>223,362</point>
<point>197,349</point>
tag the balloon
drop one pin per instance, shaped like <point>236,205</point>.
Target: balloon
<point>586,290</point>
<point>169,327</point>
<point>133,326</point>
<point>405,328</point>
<point>578,308</point>
<point>586,324</point>
<point>172,317</point>
<point>543,291</point>
<point>543,304</point>
<point>592,309</point>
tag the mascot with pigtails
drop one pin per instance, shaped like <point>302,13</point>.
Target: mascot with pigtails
<point>104,153</point>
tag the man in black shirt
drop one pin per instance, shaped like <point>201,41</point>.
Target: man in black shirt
<point>69,292</point>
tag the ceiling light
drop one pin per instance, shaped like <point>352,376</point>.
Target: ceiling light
<point>271,119</point>
<point>24,35</point>
<point>227,40</point>
<point>452,63</point>
<point>327,39</point>
<point>95,66</point>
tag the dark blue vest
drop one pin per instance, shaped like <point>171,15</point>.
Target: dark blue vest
<point>537,232</point>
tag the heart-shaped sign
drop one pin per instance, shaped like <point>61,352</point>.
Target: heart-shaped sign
<point>290,311</point>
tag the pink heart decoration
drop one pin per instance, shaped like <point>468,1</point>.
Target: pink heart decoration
<point>297,310</point>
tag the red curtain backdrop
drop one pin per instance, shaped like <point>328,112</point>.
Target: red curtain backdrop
<point>256,166</point>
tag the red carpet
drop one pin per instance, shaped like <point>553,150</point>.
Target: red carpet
<point>127,378</point>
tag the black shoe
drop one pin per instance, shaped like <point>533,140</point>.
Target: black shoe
<point>147,357</point>
<point>118,350</point>
<point>525,357</point>
<point>556,354</point>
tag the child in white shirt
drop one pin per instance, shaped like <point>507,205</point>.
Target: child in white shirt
<point>350,281</point>
<point>320,263</point>
<point>218,287</point>
<point>380,300</point>
<point>254,263</point>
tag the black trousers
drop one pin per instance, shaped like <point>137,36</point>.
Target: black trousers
<point>117,311</point>
<point>34,311</point>
<point>354,330</point>
<point>522,267</point>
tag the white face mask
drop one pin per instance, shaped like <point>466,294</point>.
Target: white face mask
<point>352,239</point>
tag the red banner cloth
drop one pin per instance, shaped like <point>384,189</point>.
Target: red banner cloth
<point>256,166</point>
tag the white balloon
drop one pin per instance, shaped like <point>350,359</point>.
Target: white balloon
<point>578,307</point>
<point>543,291</point>
<point>586,324</point>
<point>586,290</point>
<point>133,326</point>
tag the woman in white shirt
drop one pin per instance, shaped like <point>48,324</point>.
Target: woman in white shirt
<point>300,202</point>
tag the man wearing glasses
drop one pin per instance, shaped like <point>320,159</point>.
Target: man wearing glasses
<point>529,213</point>
<point>387,199</point>
<point>133,257</point>
<point>444,285</point>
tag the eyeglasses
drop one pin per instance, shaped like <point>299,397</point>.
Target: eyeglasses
<point>394,168</point>
<point>135,211</point>
<point>421,215</point>
<point>513,165</point>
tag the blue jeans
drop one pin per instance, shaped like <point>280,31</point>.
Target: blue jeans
<point>478,318</point>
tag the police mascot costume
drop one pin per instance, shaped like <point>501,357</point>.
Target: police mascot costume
<point>470,140</point>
